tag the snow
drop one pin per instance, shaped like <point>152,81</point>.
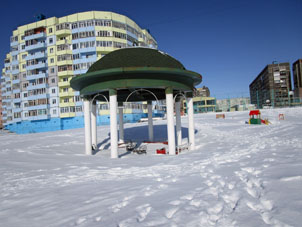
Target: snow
<point>239,175</point>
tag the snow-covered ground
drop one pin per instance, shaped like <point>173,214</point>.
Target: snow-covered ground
<point>239,175</point>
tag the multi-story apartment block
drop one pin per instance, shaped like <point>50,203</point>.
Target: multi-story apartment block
<point>46,54</point>
<point>272,86</point>
<point>297,74</point>
<point>202,91</point>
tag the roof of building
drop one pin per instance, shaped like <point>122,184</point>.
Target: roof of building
<point>129,69</point>
<point>136,57</point>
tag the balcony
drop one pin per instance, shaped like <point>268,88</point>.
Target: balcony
<point>67,62</point>
<point>61,52</point>
<point>40,65</point>
<point>39,117</point>
<point>64,84</point>
<point>36,76</point>
<point>7,64</point>
<point>16,90</point>
<point>16,81</point>
<point>17,119</point>
<point>40,96</point>
<point>14,43</point>
<point>39,45</point>
<point>15,52</point>
<point>66,94</point>
<point>15,71</point>
<point>85,60</point>
<point>84,50</point>
<point>15,62</point>
<point>63,115</point>
<point>35,36</point>
<point>37,86</point>
<point>63,32</point>
<point>37,55</point>
<point>16,110</point>
<point>64,41</point>
<point>38,107</point>
<point>66,104</point>
<point>65,73</point>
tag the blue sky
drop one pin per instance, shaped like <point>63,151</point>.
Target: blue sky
<point>228,42</point>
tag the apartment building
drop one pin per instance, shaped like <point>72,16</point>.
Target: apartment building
<point>272,86</point>
<point>45,55</point>
<point>297,74</point>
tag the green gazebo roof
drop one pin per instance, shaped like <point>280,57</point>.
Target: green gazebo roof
<point>132,68</point>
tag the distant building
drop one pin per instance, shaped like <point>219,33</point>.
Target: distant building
<point>272,86</point>
<point>202,104</point>
<point>297,74</point>
<point>203,92</point>
<point>234,104</point>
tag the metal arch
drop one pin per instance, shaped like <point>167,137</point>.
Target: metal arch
<point>97,96</point>
<point>142,89</point>
<point>181,95</point>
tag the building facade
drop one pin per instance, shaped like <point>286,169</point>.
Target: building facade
<point>272,86</point>
<point>201,104</point>
<point>233,104</point>
<point>45,55</point>
<point>297,75</point>
<point>202,91</point>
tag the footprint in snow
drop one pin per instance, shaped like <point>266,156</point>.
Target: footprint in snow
<point>143,211</point>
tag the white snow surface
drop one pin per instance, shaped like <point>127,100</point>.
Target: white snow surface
<point>239,175</point>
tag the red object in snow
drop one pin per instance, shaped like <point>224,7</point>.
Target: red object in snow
<point>161,151</point>
<point>254,112</point>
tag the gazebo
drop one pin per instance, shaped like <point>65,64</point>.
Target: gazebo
<point>133,75</point>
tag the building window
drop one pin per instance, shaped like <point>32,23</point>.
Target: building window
<point>50,40</point>
<point>65,79</point>
<point>53,91</point>
<point>50,30</point>
<point>52,60</point>
<point>51,50</point>
<point>65,89</point>
<point>54,111</point>
<point>54,101</point>
<point>52,70</point>
<point>66,100</point>
<point>53,80</point>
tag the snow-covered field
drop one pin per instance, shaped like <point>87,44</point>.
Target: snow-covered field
<point>239,175</point>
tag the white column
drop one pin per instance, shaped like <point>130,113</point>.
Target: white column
<point>150,121</point>
<point>87,126</point>
<point>121,123</point>
<point>191,122</point>
<point>113,123</point>
<point>170,121</point>
<point>93,125</point>
<point>178,123</point>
